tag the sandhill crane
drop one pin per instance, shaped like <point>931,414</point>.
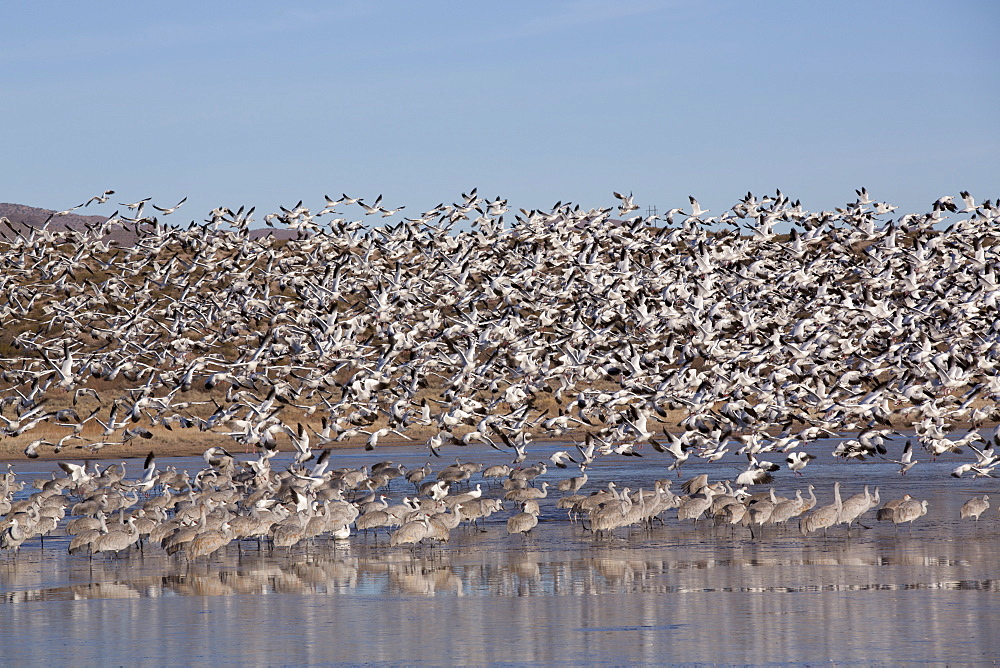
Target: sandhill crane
<point>810,503</point>
<point>464,497</point>
<point>887,513</point>
<point>975,507</point>
<point>522,522</point>
<point>208,542</point>
<point>610,515</point>
<point>663,499</point>
<point>440,525</point>
<point>572,484</point>
<point>694,485</point>
<point>84,540</point>
<point>909,510</point>
<point>480,508</point>
<point>116,540</point>
<point>288,532</point>
<point>529,473</point>
<point>787,509</point>
<point>728,497</point>
<point>410,533</point>
<point>417,475</point>
<point>521,495</point>
<point>372,503</point>
<point>496,471</point>
<point>175,542</point>
<point>85,532</point>
<point>77,525</point>
<point>854,507</point>
<point>571,503</point>
<point>693,507</point>
<point>759,512</point>
<point>12,537</point>
<point>823,517</point>
<point>373,521</point>
<point>732,513</point>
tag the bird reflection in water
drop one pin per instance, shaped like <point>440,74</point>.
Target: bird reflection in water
<point>888,563</point>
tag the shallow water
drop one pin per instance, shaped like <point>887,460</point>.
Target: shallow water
<point>675,594</point>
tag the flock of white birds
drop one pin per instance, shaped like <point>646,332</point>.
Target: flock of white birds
<point>759,330</point>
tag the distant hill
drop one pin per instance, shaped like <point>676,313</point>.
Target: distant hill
<point>35,217</point>
<point>22,217</point>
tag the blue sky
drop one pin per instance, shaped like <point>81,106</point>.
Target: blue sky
<point>263,104</point>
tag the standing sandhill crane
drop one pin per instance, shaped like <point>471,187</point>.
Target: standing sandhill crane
<point>372,503</point>
<point>522,495</point>
<point>787,509</point>
<point>86,535</point>
<point>732,513</point>
<point>76,526</point>
<point>856,506</point>
<point>661,500</point>
<point>289,531</point>
<point>410,533</point>
<point>529,473</point>
<point>12,537</point>
<point>440,525</point>
<point>975,507</point>
<point>824,517</point>
<point>693,507</point>
<point>573,484</point>
<point>208,542</point>
<point>531,506</point>
<point>570,503</point>
<point>480,508</point>
<point>759,512</point>
<point>523,522</point>
<point>909,510</point>
<point>84,539</point>
<point>496,471</point>
<point>256,524</point>
<point>116,540</point>
<point>373,520</point>
<point>339,518</point>
<point>638,509</point>
<point>417,475</point>
<point>887,512</point>
<point>454,473</point>
<point>610,515</point>
<point>719,501</point>
<point>810,503</point>
<point>186,532</point>
<point>452,501</point>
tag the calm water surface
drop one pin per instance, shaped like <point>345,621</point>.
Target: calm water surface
<point>676,594</point>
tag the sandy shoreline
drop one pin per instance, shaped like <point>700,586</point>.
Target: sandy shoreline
<point>191,443</point>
